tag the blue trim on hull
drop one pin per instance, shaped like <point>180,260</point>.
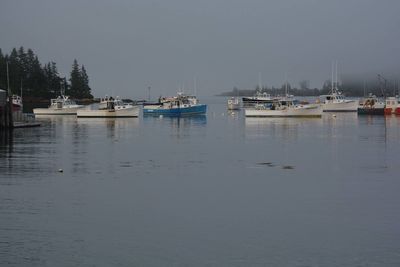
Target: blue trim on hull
<point>199,109</point>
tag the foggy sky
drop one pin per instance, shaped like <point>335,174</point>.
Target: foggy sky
<point>127,46</point>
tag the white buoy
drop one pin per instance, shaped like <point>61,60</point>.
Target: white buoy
<point>161,116</point>
<point>334,115</point>
<point>60,170</point>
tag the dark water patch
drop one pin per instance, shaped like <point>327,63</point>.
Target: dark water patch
<point>288,167</point>
<point>269,164</point>
<point>125,164</point>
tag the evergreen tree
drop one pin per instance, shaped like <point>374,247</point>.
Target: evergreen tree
<point>79,82</point>
<point>75,80</point>
<point>40,80</point>
<point>86,91</point>
<point>3,78</point>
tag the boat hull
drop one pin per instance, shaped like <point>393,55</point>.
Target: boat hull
<point>158,110</point>
<point>232,106</point>
<point>104,113</point>
<point>51,111</point>
<point>303,111</point>
<point>371,111</point>
<point>348,106</point>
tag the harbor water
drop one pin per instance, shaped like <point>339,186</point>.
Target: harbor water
<point>215,190</point>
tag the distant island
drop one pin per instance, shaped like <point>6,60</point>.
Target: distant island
<point>350,86</point>
<point>41,81</point>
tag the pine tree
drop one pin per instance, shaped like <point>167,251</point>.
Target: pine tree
<point>3,81</point>
<point>79,82</point>
<point>40,80</point>
<point>86,91</point>
<point>75,80</point>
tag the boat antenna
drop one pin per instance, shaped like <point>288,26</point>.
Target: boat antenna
<point>383,89</point>
<point>364,88</point>
<point>62,89</point>
<point>21,88</point>
<point>332,77</point>
<point>336,82</point>
<point>195,85</point>
<point>149,88</point>
<point>259,82</point>
<point>8,81</point>
<point>286,85</point>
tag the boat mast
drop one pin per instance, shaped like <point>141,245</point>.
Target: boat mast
<point>336,79</point>
<point>286,85</point>
<point>195,85</point>
<point>8,82</point>
<point>62,89</point>
<point>364,88</point>
<point>332,77</point>
<point>259,82</point>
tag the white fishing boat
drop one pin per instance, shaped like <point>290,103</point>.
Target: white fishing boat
<point>258,98</point>
<point>110,108</point>
<point>61,105</point>
<point>335,101</point>
<point>233,103</point>
<point>284,107</point>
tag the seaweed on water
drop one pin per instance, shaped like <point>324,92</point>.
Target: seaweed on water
<point>269,164</point>
<point>288,167</point>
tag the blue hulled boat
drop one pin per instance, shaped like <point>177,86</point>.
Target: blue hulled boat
<point>176,106</point>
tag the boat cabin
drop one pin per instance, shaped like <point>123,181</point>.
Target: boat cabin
<point>333,98</point>
<point>61,101</point>
<point>279,104</point>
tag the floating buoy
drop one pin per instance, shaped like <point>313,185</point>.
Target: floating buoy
<point>161,116</point>
<point>334,115</point>
<point>60,170</point>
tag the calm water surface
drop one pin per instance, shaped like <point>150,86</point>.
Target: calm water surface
<point>215,190</point>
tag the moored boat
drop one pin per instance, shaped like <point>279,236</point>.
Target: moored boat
<point>258,98</point>
<point>176,106</point>
<point>233,103</point>
<point>61,105</point>
<point>371,105</point>
<point>110,108</point>
<point>336,102</point>
<point>284,107</point>
<point>392,106</point>
<point>16,102</point>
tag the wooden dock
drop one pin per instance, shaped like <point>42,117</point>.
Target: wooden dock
<point>25,124</point>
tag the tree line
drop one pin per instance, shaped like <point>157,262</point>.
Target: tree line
<point>41,80</point>
<point>349,86</point>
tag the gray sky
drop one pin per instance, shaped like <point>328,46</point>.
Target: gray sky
<point>129,45</point>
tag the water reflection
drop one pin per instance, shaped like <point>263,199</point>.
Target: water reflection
<point>6,143</point>
<point>22,151</point>
<point>112,126</point>
<point>179,127</point>
<point>286,128</point>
